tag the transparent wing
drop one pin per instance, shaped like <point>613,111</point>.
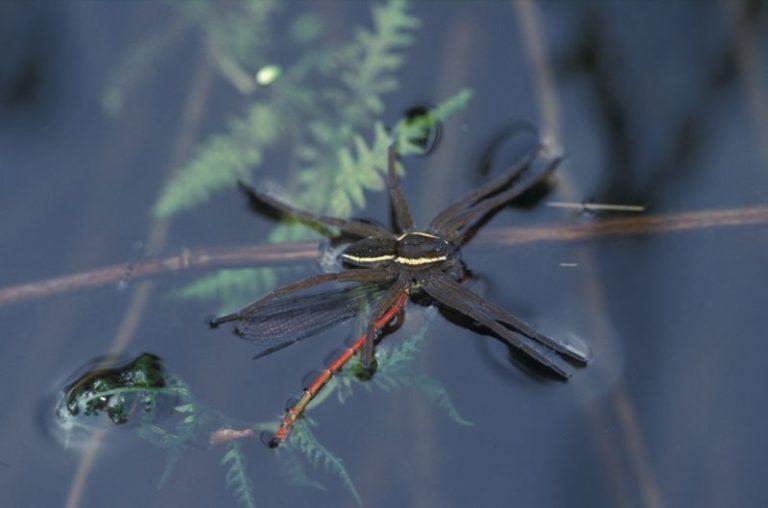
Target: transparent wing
<point>289,319</point>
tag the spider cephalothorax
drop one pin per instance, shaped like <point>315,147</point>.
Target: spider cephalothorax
<point>411,251</point>
<point>387,264</point>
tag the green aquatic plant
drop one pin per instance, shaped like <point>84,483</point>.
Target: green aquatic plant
<point>320,120</point>
<point>232,288</point>
<point>114,390</point>
<point>171,417</point>
<point>236,36</point>
<point>321,116</point>
<point>395,369</point>
<point>358,168</point>
<point>237,479</point>
<point>304,442</point>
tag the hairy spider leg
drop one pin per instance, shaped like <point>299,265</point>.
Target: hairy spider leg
<point>350,275</point>
<point>579,352</point>
<point>399,204</point>
<point>538,352</point>
<point>353,227</point>
<point>386,301</point>
<point>510,174</point>
<point>294,412</point>
<point>454,228</point>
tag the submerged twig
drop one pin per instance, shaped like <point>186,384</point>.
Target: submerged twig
<point>203,258</point>
<point>643,225</point>
<point>596,207</point>
<point>550,116</point>
<point>282,253</point>
<point>191,120</point>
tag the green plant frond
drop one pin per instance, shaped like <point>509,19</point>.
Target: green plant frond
<point>327,123</point>
<point>237,35</point>
<point>359,171</point>
<point>294,472</point>
<point>221,161</point>
<point>396,370</point>
<point>234,287</point>
<point>303,440</point>
<point>291,231</point>
<point>437,393</point>
<point>325,109</point>
<point>306,28</point>
<point>391,362</point>
<point>236,478</point>
<point>410,131</point>
<point>191,418</point>
<point>374,57</point>
<point>138,62</point>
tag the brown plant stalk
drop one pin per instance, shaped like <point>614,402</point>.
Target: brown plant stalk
<point>282,253</point>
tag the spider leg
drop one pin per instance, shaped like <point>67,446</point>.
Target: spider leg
<point>351,275</point>
<point>354,227</point>
<point>399,204</point>
<point>538,352</point>
<point>384,304</point>
<point>453,229</point>
<point>438,223</point>
<point>580,352</point>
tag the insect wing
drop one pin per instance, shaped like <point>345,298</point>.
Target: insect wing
<point>290,319</point>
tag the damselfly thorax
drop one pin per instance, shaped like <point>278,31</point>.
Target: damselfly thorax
<point>414,250</point>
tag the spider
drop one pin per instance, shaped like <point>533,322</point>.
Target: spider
<point>388,267</point>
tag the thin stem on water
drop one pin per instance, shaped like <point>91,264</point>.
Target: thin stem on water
<point>282,253</point>
<point>191,120</point>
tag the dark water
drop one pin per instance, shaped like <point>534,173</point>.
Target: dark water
<point>657,104</point>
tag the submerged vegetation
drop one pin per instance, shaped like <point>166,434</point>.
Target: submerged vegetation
<point>166,414</point>
<point>319,113</point>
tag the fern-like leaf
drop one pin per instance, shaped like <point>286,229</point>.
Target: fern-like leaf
<point>138,63</point>
<point>232,287</point>
<point>293,471</point>
<point>396,370</point>
<point>236,478</point>
<point>374,56</point>
<point>304,441</point>
<point>411,132</point>
<point>221,161</point>
<point>437,393</point>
